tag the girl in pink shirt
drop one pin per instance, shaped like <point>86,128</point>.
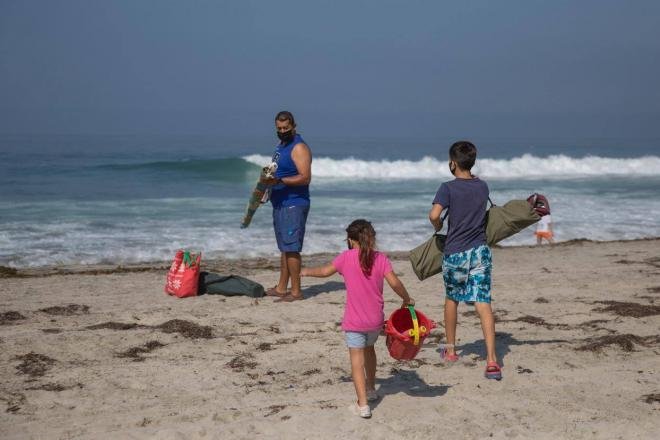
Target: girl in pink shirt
<point>364,270</point>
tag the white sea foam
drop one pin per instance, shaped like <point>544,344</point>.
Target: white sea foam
<point>140,230</point>
<point>400,227</point>
<point>523,167</point>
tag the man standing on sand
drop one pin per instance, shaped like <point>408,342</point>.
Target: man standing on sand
<point>290,199</point>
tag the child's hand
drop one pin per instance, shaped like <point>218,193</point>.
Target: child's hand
<point>304,272</point>
<point>410,302</point>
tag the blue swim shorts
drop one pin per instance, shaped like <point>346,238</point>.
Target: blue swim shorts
<point>467,275</point>
<point>289,224</point>
<point>361,339</point>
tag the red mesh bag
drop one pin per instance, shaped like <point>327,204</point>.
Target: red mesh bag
<point>183,277</point>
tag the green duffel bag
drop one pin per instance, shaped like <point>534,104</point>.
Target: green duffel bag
<point>228,285</point>
<point>426,259</point>
<point>501,222</point>
<point>504,221</point>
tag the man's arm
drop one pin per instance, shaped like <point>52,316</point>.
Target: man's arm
<point>302,157</point>
<point>434,216</point>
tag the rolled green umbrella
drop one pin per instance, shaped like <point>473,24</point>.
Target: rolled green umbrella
<point>257,196</point>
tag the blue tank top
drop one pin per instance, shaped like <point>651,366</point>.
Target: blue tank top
<point>281,194</point>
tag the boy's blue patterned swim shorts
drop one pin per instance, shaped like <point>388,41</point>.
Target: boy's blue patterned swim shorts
<point>467,275</point>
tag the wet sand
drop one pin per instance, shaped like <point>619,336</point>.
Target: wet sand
<point>101,352</point>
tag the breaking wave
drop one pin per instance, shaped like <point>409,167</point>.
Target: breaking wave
<point>523,167</point>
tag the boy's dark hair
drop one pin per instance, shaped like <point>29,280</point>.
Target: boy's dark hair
<point>464,153</point>
<point>361,231</point>
<point>285,116</point>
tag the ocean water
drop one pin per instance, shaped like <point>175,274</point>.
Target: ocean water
<point>128,199</point>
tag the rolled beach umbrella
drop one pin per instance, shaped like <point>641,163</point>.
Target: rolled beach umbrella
<point>257,196</point>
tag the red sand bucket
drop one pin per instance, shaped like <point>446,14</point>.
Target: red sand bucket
<point>406,330</point>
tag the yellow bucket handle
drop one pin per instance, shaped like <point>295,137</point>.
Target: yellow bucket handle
<point>415,331</point>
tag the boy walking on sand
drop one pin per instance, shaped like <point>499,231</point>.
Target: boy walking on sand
<point>467,261</point>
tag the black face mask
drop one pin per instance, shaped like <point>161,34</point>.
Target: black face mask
<point>285,137</point>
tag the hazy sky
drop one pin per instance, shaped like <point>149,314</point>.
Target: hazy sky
<point>371,68</point>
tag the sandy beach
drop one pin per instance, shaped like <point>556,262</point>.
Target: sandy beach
<point>102,352</point>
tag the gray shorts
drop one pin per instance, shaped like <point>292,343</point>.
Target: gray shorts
<point>361,339</point>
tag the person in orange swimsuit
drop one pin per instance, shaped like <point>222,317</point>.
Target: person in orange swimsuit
<point>544,230</point>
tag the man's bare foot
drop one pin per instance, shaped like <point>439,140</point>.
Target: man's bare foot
<point>290,298</point>
<point>274,292</point>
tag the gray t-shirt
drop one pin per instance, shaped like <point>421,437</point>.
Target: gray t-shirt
<point>467,201</point>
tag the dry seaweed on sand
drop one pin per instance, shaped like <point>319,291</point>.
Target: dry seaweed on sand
<point>274,409</point>
<point>57,387</point>
<point>274,329</point>
<point>530,320</point>
<point>68,310</point>
<point>111,325</point>
<point>241,362</point>
<point>8,272</point>
<point>631,309</point>
<point>575,241</point>
<point>595,324</point>
<point>283,341</point>
<point>265,346</point>
<point>10,317</point>
<point>34,364</point>
<point>136,353</point>
<point>186,329</point>
<point>651,398</point>
<point>653,261</point>
<point>13,401</point>
<point>626,342</point>
<point>326,404</point>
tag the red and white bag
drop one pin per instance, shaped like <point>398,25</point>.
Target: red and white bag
<point>183,277</point>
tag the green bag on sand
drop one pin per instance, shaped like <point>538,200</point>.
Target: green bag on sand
<point>228,285</point>
<point>426,259</point>
<point>504,221</point>
<point>501,222</point>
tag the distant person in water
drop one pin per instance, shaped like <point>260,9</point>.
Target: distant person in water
<point>544,226</point>
<point>544,230</point>
<point>290,199</point>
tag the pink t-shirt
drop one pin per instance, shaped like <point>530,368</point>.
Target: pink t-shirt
<point>364,296</point>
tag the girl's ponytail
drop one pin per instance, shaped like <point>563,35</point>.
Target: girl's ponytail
<point>361,231</point>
